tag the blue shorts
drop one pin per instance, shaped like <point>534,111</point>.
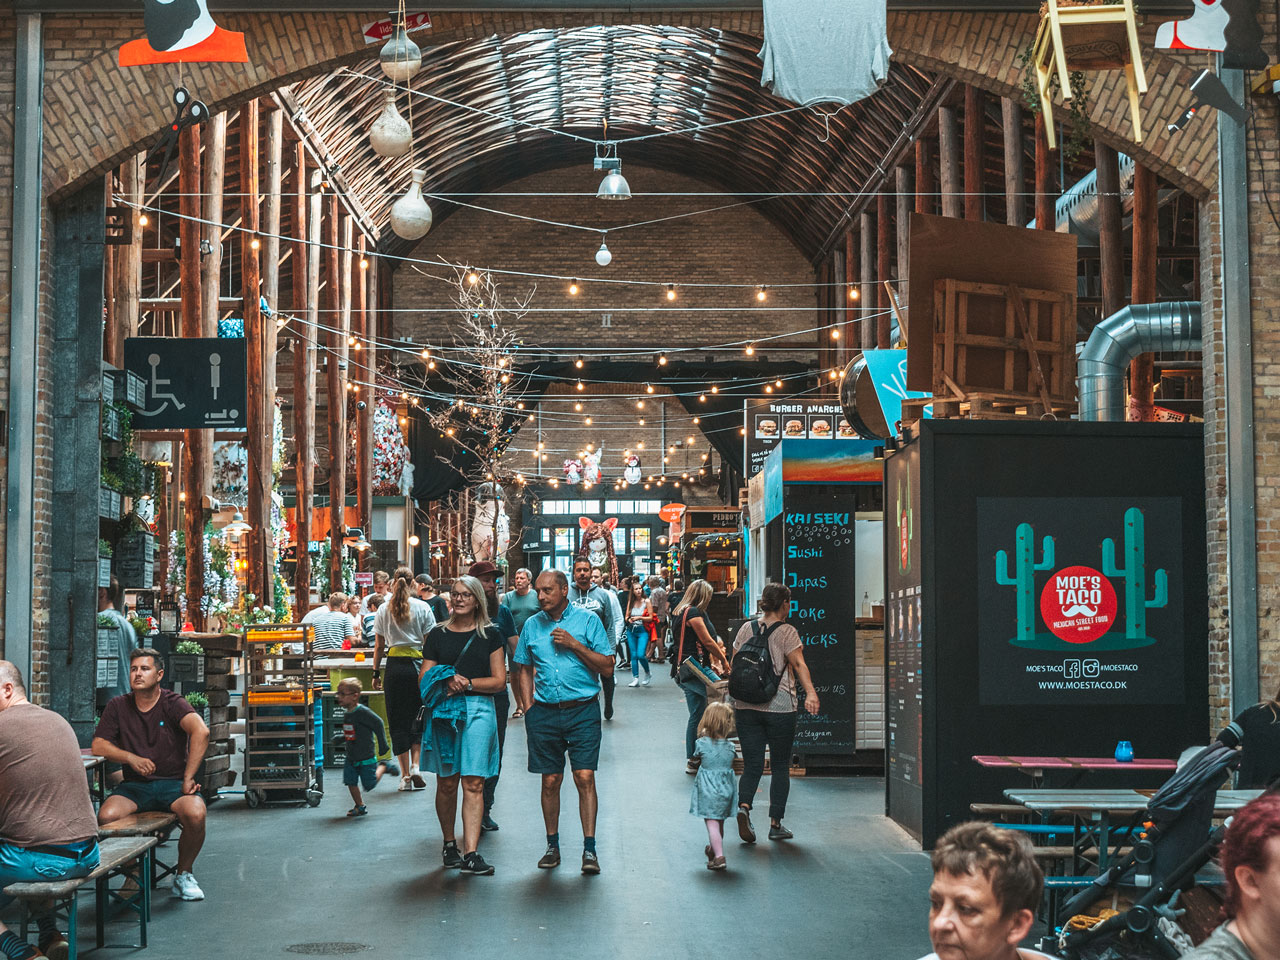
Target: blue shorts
<point>476,750</point>
<point>553,732</point>
<point>363,772</point>
<point>37,865</point>
<point>151,795</point>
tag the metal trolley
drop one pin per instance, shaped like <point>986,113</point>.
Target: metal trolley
<point>280,692</point>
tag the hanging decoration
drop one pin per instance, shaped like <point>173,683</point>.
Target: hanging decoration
<point>491,524</point>
<point>401,58</point>
<point>632,473</point>
<point>390,135</point>
<point>411,215</point>
<point>591,465</point>
<point>190,112</point>
<point>597,546</point>
<point>182,31</point>
<point>573,471</point>
<point>390,452</point>
<point>231,472</point>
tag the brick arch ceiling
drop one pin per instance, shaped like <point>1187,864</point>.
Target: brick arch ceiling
<point>642,80</point>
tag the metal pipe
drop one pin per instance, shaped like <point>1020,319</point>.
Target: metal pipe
<point>1133,330</point>
<point>24,339</point>
<point>1077,210</point>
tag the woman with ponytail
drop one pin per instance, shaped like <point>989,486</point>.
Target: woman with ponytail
<point>399,628</point>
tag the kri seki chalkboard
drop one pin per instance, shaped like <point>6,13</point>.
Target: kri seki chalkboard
<point>819,563</point>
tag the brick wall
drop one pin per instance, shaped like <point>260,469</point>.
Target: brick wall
<point>8,39</point>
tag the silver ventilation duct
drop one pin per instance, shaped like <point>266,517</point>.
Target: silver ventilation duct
<point>1077,210</point>
<point>1135,330</point>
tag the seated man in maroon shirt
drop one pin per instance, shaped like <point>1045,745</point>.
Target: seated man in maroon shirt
<point>159,740</point>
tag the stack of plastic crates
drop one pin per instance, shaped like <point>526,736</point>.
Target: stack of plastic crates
<point>280,690</point>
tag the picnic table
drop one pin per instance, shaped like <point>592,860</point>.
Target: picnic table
<point>1035,767</point>
<point>95,769</point>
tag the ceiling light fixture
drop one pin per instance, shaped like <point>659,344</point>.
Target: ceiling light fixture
<point>614,186</point>
<point>603,256</point>
<point>671,291</point>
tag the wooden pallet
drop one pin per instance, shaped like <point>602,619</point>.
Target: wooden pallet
<point>978,406</point>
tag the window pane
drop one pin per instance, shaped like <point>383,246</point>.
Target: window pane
<point>640,537</point>
<point>564,540</point>
<point>619,540</point>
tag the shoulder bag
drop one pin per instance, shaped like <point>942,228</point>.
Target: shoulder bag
<point>420,721</point>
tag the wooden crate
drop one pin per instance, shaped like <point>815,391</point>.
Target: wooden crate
<point>1001,341</point>
<point>985,406</point>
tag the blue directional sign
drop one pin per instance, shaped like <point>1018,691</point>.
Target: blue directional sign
<point>192,383</point>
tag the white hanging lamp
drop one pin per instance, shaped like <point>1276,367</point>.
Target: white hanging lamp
<point>401,58</point>
<point>410,215</point>
<point>390,135</point>
<point>603,256</point>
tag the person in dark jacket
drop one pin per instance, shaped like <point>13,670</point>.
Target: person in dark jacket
<point>1257,733</point>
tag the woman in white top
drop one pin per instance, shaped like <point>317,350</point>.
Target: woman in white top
<point>399,628</point>
<point>639,616</point>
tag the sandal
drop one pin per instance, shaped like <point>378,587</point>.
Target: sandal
<point>518,714</point>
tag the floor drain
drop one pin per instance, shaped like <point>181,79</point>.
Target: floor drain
<point>330,948</point>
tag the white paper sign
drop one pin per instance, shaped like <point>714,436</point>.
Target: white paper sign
<point>380,30</point>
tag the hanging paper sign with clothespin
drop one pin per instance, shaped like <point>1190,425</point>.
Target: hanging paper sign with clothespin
<point>380,30</point>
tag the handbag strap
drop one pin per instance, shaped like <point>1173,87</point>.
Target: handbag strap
<point>684,622</point>
<point>465,648</point>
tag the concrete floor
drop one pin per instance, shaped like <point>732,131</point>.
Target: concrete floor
<point>282,876</point>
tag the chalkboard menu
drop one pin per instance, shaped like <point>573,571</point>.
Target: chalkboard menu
<point>904,694</point>
<point>819,564</point>
<point>766,422</point>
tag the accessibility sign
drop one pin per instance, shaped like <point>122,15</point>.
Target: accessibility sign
<point>192,383</point>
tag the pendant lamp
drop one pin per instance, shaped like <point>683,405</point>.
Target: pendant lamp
<point>401,58</point>
<point>614,186</point>
<point>390,135</point>
<point>410,215</point>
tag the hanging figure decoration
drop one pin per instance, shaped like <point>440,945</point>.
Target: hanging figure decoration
<point>573,471</point>
<point>591,465</point>
<point>597,546</point>
<point>491,523</point>
<point>631,473</point>
<point>182,31</point>
<point>1229,27</point>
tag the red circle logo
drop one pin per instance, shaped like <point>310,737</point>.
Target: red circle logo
<point>1078,604</point>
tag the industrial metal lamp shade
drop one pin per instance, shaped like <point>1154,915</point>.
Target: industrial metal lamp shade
<point>390,135</point>
<point>401,58</point>
<point>614,186</point>
<point>237,527</point>
<point>410,215</point>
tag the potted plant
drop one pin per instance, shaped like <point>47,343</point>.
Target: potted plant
<point>200,703</point>
<point>104,563</point>
<point>186,663</point>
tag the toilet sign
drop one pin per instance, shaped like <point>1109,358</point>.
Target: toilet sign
<point>192,384</point>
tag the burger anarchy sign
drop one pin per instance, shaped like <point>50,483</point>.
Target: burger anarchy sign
<point>767,423</point>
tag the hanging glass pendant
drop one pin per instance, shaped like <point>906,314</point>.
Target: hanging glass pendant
<point>390,135</point>
<point>410,215</point>
<point>401,58</point>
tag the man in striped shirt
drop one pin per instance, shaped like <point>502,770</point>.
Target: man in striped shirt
<point>333,626</point>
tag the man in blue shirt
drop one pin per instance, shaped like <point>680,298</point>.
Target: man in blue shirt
<point>562,654</point>
<point>603,602</point>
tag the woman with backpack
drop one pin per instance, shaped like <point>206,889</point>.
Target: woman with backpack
<point>694,635</point>
<point>768,715</point>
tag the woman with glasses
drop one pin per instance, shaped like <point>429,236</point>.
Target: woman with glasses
<point>466,752</point>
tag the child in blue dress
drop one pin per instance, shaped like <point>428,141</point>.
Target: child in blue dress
<point>713,788</point>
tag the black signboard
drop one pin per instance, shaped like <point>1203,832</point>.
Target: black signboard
<point>1080,600</point>
<point>904,691</point>
<point>191,383</point>
<point>712,521</point>
<point>768,422</point>
<point>819,564</point>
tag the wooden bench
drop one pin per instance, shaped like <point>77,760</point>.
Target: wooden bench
<point>116,858</point>
<point>151,824</point>
<point>995,811</point>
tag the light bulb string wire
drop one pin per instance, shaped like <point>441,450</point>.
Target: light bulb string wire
<point>524,274</point>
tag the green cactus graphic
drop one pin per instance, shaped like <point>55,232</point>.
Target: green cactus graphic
<point>1135,575</point>
<point>1023,577</point>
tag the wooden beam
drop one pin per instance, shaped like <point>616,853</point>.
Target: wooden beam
<point>1145,243</point>
<point>1111,226</point>
<point>1015,178</point>
<point>906,190</point>
<point>333,297</point>
<point>270,331</point>
<point>304,382</point>
<point>949,163</point>
<point>215,167</point>
<point>129,257</point>
<point>259,430</point>
<point>850,329</point>
<point>867,301</point>
<point>363,365</point>
<point>197,445</point>
<point>884,244</point>
<point>975,139</point>
<point>925,184</point>
<point>1046,218</point>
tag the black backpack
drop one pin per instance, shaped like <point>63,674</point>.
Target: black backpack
<point>751,676</point>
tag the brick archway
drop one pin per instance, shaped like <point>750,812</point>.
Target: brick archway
<point>88,132</point>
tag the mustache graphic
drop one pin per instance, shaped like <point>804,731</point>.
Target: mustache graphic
<point>1080,608</point>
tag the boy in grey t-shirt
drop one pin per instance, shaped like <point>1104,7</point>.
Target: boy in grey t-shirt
<point>359,727</point>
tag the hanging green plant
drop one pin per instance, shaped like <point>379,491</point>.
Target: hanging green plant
<point>1078,128</point>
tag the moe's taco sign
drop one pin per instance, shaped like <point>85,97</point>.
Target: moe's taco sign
<point>1079,600</point>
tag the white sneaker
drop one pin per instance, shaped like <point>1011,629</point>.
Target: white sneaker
<point>185,886</point>
<point>635,682</point>
<point>645,681</point>
<point>405,785</point>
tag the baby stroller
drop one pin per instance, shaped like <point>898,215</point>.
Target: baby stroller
<point>1173,843</point>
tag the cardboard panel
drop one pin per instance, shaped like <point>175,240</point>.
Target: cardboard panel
<point>944,248</point>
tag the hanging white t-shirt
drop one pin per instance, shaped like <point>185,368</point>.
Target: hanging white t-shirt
<point>825,51</point>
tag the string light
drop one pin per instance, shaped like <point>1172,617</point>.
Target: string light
<point>662,359</point>
<point>473,278</point>
<point>760,293</point>
<point>579,362</point>
<point>648,388</point>
<point>853,293</point>
<point>715,388</point>
<point>581,386</point>
<point>768,388</point>
<point>143,220</point>
<point>671,291</point>
<point>639,404</point>
<point>573,292</point>
<point>835,333</point>
<point>751,350</point>
<point>577,407</point>
<point>702,398</point>
<point>255,244</point>
<point>778,384</point>
<point>426,354</point>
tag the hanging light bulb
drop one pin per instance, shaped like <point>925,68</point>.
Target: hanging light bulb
<point>414,540</point>
<point>648,388</point>
<point>662,359</point>
<point>581,386</point>
<point>702,398</point>
<point>853,293</point>
<point>579,362</point>
<point>390,135</point>
<point>143,220</point>
<point>768,388</point>
<point>614,186</point>
<point>778,384</point>
<point>364,263</point>
<point>410,215</point>
<point>671,291</point>
<point>473,278</point>
<point>715,388</point>
<point>751,349</point>
<point>401,58</point>
<point>760,294</point>
<point>603,256</point>
<point>573,288</point>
